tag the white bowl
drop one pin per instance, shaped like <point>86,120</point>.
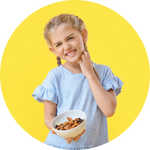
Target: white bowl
<point>61,118</point>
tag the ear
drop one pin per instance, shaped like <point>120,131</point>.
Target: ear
<point>52,50</point>
<point>84,35</point>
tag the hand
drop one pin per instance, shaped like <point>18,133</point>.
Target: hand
<point>68,140</point>
<point>86,64</point>
<point>53,132</point>
<point>76,138</point>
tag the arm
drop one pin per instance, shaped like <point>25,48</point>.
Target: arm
<point>106,100</point>
<point>49,113</point>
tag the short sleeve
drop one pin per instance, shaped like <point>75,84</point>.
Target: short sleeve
<point>111,82</point>
<point>47,90</point>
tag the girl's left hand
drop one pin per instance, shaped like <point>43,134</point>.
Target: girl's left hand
<point>76,138</point>
<point>86,64</point>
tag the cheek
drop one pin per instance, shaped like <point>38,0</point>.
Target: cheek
<point>59,52</point>
<point>79,44</point>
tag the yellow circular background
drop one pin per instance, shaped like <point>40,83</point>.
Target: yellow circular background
<point>112,41</point>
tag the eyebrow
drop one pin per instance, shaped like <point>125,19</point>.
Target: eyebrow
<point>66,38</point>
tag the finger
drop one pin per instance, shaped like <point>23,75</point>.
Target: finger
<point>79,61</point>
<point>82,133</point>
<point>68,140</point>
<point>83,51</point>
<point>53,132</point>
<point>87,55</point>
<point>78,136</point>
<point>83,57</point>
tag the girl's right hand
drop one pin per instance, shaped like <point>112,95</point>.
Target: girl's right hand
<point>68,140</point>
<point>53,132</point>
<point>76,138</point>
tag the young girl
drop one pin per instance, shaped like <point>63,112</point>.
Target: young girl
<point>79,84</point>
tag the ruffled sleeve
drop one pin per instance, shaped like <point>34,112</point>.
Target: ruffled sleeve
<point>47,90</point>
<point>112,82</point>
<point>41,93</point>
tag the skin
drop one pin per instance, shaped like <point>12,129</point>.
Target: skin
<point>67,39</point>
<point>64,39</point>
<point>66,44</point>
<point>68,140</point>
<point>106,100</point>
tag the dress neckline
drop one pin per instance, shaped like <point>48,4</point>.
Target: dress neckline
<point>69,72</point>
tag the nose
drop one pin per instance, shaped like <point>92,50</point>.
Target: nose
<point>67,47</point>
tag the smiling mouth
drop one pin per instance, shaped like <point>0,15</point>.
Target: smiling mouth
<point>72,53</point>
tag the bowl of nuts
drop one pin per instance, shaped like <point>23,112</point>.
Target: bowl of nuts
<point>70,123</point>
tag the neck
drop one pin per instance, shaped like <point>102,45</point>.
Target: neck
<point>72,66</point>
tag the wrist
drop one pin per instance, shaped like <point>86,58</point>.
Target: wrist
<point>91,76</point>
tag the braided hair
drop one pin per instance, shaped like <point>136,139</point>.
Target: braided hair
<point>74,21</point>
<point>59,63</point>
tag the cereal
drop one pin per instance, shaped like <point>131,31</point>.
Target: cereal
<point>70,124</point>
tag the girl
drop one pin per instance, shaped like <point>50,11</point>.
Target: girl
<point>77,84</point>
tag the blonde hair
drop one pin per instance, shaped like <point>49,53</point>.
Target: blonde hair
<point>74,21</point>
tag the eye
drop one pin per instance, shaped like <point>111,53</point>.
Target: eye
<point>58,44</point>
<point>70,38</point>
<point>67,40</point>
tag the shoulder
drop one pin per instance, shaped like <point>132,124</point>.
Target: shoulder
<point>102,69</point>
<point>54,72</point>
<point>52,75</point>
<point>52,78</point>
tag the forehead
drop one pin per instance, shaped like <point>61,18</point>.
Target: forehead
<point>61,32</point>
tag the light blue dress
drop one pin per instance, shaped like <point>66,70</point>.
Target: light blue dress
<point>72,91</point>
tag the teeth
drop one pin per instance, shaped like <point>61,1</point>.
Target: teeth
<point>70,53</point>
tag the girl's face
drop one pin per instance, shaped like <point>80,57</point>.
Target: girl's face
<point>67,43</point>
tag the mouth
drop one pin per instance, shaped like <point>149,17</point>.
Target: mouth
<point>71,53</point>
